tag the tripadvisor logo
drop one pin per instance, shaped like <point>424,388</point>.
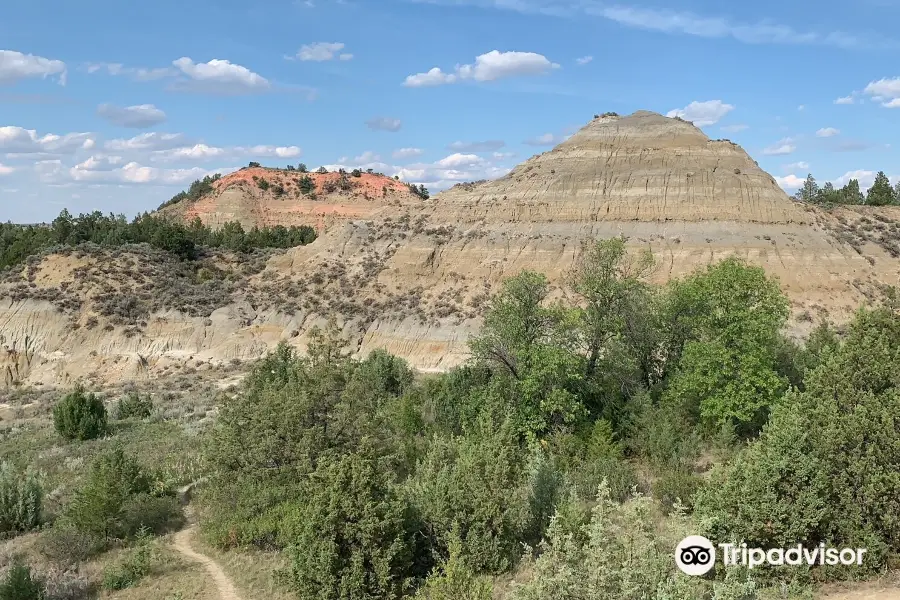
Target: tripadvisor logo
<point>696,555</point>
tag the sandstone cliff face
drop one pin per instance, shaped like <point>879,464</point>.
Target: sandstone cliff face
<point>413,276</point>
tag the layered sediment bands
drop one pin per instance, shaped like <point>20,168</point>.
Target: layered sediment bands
<point>413,277</point>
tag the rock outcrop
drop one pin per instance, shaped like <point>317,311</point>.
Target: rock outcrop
<point>259,196</point>
<point>414,276</point>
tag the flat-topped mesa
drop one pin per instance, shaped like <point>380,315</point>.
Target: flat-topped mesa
<point>643,167</point>
<point>260,196</point>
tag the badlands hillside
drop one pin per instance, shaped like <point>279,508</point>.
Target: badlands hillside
<point>260,196</point>
<point>413,275</point>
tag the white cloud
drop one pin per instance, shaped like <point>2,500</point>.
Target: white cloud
<point>367,157</point>
<point>19,141</point>
<point>322,51</point>
<point>402,153</point>
<point>484,146</point>
<point>5,170</point>
<point>457,160</point>
<point>584,60</point>
<point>801,107</point>
<point>781,147</point>
<point>844,100</point>
<point>148,141</point>
<point>790,182</point>
<point>138,117</point>
<point>100,162</point>
<point>865,178</point>
<point>219,76</point>
<point>702,113</point>
<point>136,173</point>
<point>195,152</point>
<point>135,73</point>
<point>827,132</point>
<point>490,66</point>
<point>797,166</point>
<point>734,128</point>
<point>384,124</point>
<point>503,155</point>
<point>270,151</point>
<point>885,91</point>
<point>683,23</point>
<point>15,66</point>
<point>547,139</point>
<point>438,175</point>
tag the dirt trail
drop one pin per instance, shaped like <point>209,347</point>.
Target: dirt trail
<point>182,543</point>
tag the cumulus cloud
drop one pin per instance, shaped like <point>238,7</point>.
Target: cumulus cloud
<point>402,153</point>
<point>148,141</point>
<point>454,161</point>
<point>136,173</point>
<point>790,182</point>
<point>134,73</point>
<point>195,152</point>
<point>491,66</point>
<point>584,60</point>
<point>219,76</point>
<point>865,178</point>
<point>322,51</point>
<point>270,151</point>
<point>441,174</point>
<point>137,117</point>
<point>734,128</point>
<point>702,113</point>
<point>884,91</point>
<point>5,170</point>
<point>781,147</point>
<point>485,146</point>
<point>384,124</point>
<point>19,141</point>
<point>15,66</point>
<point>827,132</point>
<point>796,166</point>
<point>844,100</point>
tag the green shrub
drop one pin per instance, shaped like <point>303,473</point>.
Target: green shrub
<point>829,453</point>
<point>157,514</point>
<point>20,584</point>
<point>355,536</point>
<point>306,184</point>
<point>454,580</point>
<point>676,486</point>
<point>474,488</point>
<point>66,545</point>
<point>111,501</point>
<point>21,497</point>
<point>593,456</point>
<point>134,406</point>
<point>80,416</point>
<point>617,554</point>
<point>132,568</point>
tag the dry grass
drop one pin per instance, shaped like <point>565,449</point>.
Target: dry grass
<point>253,572</point>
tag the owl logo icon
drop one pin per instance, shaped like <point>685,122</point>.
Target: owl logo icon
<point>695,555</point>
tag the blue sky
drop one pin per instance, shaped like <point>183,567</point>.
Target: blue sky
<point>117,106</point>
